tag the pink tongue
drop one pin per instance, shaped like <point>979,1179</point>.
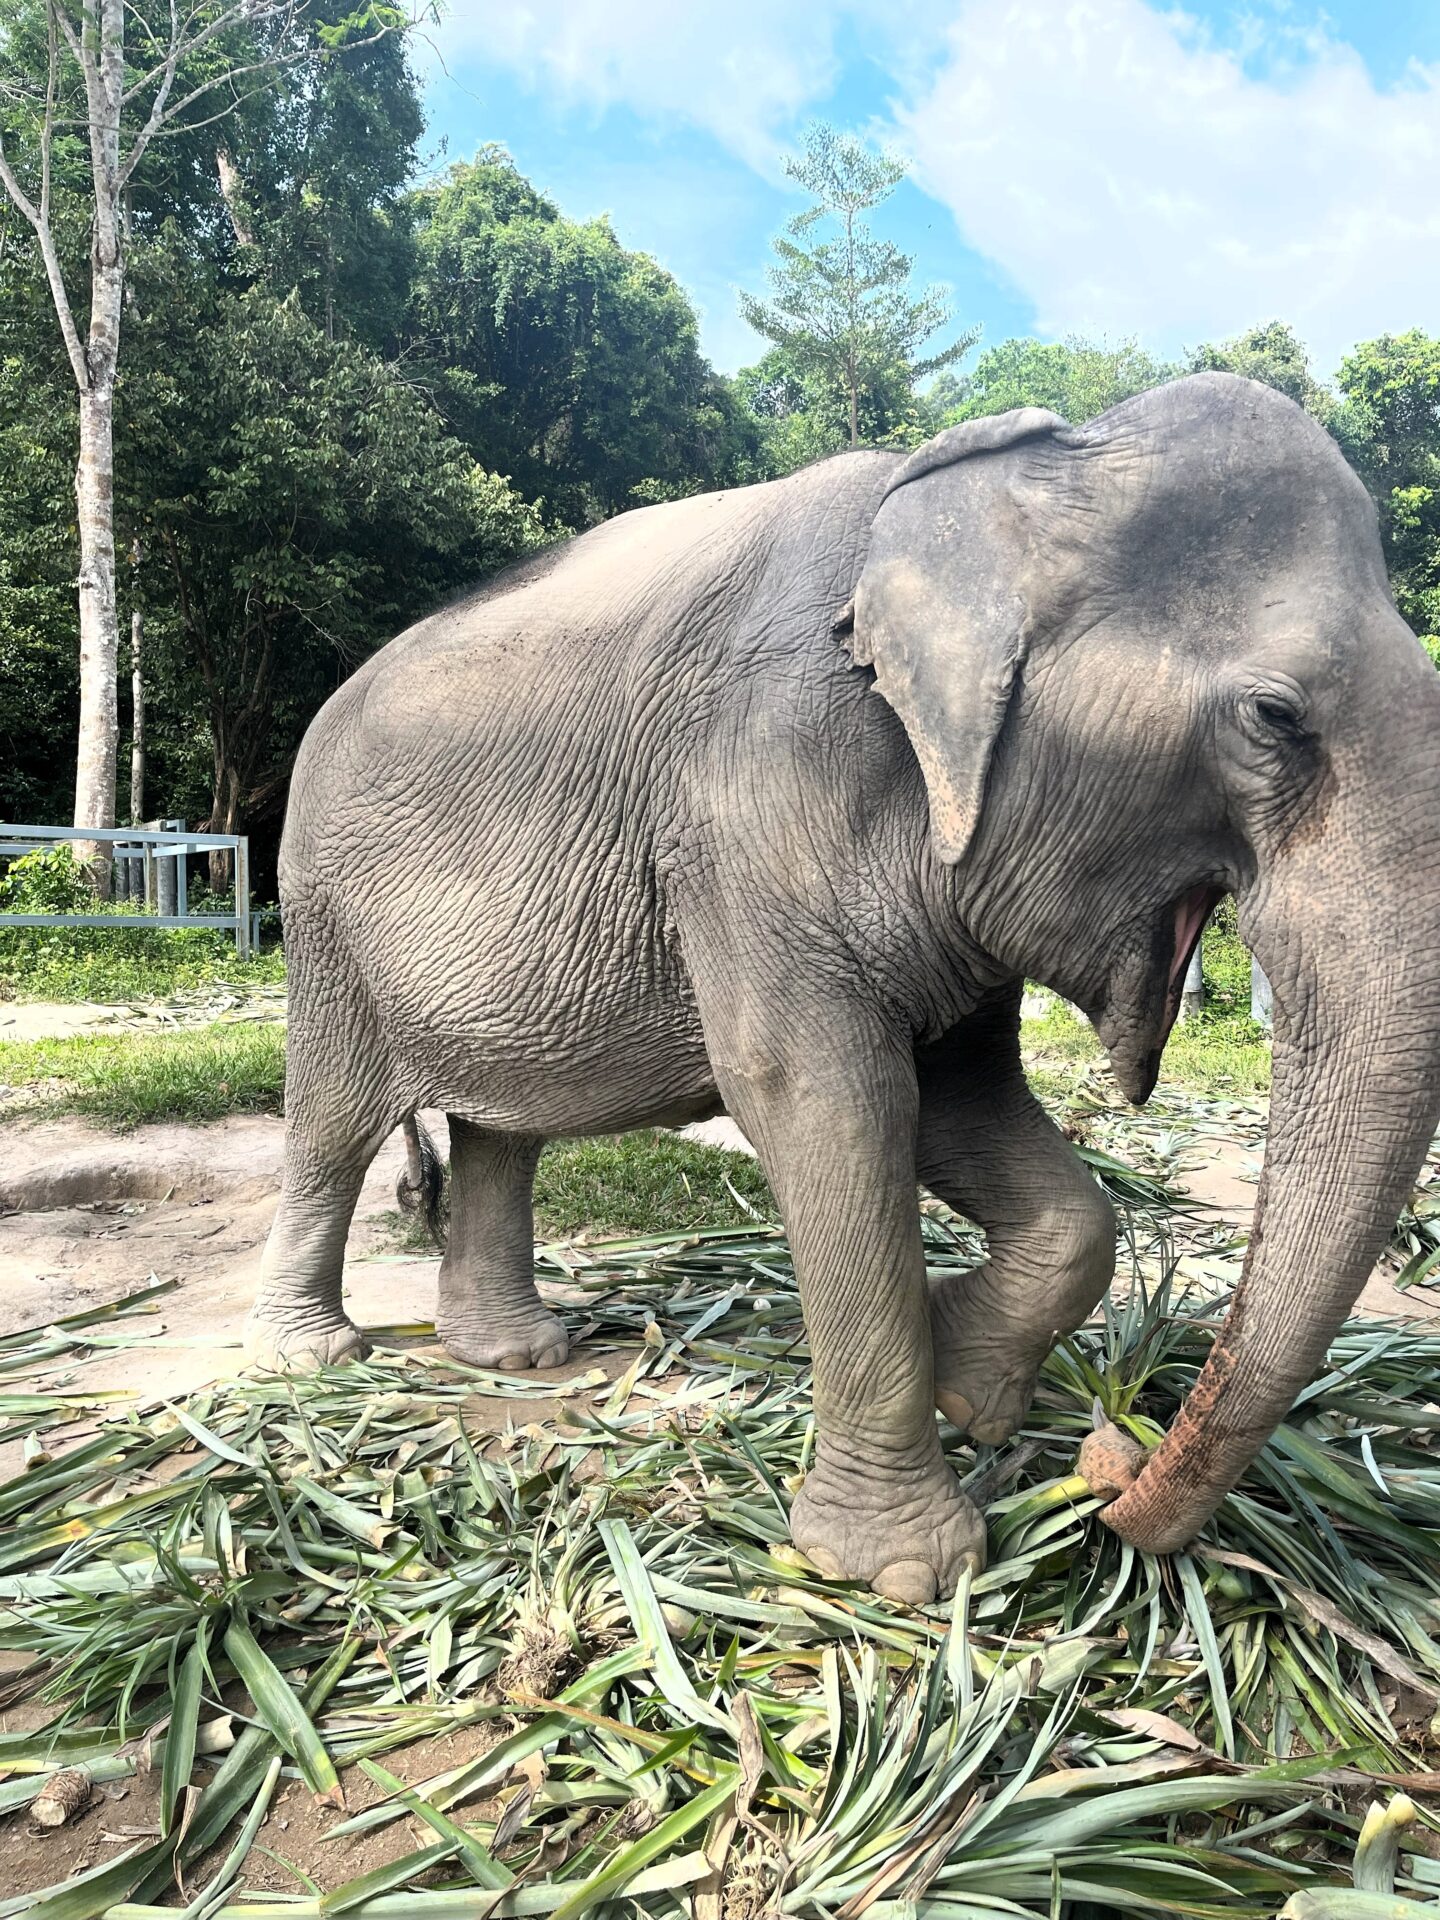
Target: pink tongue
<point>1190,916</point>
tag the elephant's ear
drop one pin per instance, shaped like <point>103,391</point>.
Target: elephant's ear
<point>942,612</point>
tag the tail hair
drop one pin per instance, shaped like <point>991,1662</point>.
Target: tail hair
<point>421,1186</point>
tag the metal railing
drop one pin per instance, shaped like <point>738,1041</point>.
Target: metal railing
<point>151,864</point>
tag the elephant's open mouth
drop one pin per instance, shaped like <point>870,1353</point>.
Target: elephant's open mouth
<point>1189,914</point>
<point>1143,994</point>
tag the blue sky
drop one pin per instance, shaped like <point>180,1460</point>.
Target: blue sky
<point>1107,167</point>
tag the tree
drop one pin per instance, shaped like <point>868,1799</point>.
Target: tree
<point>1076,378</point>
<point>1275,356</point>
<point>840,306</point>
<point>1391,429</point>
<point>67,73</point>
<point>802,416</point>
<point>559,357</point>
<point>38,684</point>
<point>300,502</point>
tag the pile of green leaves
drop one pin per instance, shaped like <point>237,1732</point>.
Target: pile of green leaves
<point>715,1722</point>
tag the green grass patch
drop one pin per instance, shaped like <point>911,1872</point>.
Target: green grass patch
<point>647,1182</point>
<point>128,1078</point>
<point>128,963</point>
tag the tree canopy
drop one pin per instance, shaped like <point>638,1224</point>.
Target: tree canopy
<point>559,357</point>
<point>849,332</point>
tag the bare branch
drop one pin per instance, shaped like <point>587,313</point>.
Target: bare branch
<point>16,192</point>
<point>164,110</point>
<point>47,134</point>
<point>181,48</point>
<point>58,14</point>
<point>54,274</point>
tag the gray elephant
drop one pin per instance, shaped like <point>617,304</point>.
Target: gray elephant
<point>772,798</point>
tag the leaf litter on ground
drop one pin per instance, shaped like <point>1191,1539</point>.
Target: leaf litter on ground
<point>687,1718</point>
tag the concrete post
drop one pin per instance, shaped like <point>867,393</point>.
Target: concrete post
<point>1262,1001</point>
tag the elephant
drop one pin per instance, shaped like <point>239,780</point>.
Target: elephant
<point>769,800</point>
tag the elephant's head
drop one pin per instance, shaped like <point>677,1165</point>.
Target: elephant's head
<point>1143,663</point>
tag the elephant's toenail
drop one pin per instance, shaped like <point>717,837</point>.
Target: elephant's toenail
<point>912,1581</point>
<point>955,1407</point>
<point>825,1562</point>
<point>514,1362</point>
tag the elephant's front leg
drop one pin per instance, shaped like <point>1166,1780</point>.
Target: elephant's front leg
<point>987,1148</point>
<point>835,1130</point>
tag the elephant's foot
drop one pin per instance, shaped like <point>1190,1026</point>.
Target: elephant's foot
<point>984,1375</point>
<point>910,1541</point>
<point>284,1345</point>
<point>512,1344</point>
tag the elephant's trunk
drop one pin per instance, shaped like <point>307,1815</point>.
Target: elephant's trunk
<point>1345,919</point>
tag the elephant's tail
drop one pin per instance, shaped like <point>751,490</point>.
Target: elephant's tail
<point>421,1186</point>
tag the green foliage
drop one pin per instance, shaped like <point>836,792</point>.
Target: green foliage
<point>48,881</point>
<point>128,1078</point>
<point>848,331</point>
<point>1273,355</point>
<point>648,1182</point>
<point>1392,390</point>
<point>1076,378</point>
<point>39,677</point>
<point>560,358</point>
<point>298,500</point>
<point>125,963</point>
<point>104,963</point>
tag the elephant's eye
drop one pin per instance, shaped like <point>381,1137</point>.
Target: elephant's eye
<point>1277,716</point>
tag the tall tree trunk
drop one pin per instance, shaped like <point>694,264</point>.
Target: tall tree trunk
<point>137,724</point>
<point>95,475</point>
<point>224,816</point>
<point>99,629</point>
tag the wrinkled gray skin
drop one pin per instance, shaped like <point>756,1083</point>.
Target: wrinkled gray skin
<point>662,820</point>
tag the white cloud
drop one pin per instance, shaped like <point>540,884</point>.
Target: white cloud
<point>1130,176</point>
<point>743,70</point>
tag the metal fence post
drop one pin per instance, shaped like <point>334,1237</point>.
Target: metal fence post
<point>182,872</point>
<point>1192,994</point>
<point>242,898</point>
<point>165,878</point>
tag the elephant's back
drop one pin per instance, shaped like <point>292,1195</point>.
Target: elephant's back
<point>557,698</point>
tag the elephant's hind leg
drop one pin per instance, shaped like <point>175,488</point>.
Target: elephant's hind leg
<point>988,1149</point>
<point>335,1124</point>
<point>490,1314</point>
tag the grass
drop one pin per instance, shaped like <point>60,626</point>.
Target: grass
<point>628,1183</point>
<point>647,1182</point>
<point>127,1078</point>
<point>42,963</point>
<point>681,1708</point>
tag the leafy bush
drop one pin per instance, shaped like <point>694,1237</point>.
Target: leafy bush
<point>119,963</point>
<point>51,881</point>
